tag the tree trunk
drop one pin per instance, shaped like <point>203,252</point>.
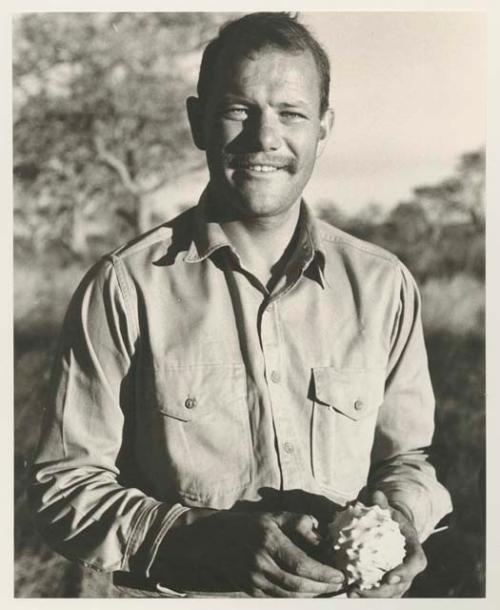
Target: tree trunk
<point>142,213</point>
<point>78,243</point>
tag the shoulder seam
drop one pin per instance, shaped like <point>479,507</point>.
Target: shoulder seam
<point>126,250</point>
<point>124,290</point>
<point>389,257</point>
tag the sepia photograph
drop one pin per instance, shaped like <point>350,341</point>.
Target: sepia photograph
<point>249,304</point>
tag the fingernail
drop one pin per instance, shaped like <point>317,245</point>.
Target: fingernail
<point>394,579</point>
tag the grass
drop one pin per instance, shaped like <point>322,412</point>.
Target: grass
<point>453,315</point>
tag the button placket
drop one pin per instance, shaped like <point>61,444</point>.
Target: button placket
<point>277,391</point>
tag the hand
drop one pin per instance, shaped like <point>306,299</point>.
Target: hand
<point>263,554</point>
<point>398,580</point>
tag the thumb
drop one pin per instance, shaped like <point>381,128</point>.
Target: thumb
<point>299,526</point>
<point>378,497</point>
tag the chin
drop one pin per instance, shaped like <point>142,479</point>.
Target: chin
<point>262,202</point>
<point>262,208</point>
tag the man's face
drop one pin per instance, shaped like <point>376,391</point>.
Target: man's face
<point>261,129</point>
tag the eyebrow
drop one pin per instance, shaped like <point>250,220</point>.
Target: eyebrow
<point>295,104</point>
<point>230,98</point>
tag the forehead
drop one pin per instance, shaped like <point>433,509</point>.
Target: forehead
<point>269,70</point>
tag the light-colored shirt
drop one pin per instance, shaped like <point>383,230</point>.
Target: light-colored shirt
<point>182,382</point>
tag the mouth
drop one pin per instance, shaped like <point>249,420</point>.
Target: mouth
<point>259,169</point>
<point>263,169</point>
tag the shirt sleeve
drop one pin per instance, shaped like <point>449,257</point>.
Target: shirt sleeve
<point>405,425</point>
<point>79,504</point>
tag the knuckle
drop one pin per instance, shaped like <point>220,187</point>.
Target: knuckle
<point>259,563</point>
<point>300,568</point>
<point>256,592</point>
<point>265,531</point>
<point>267,520</point>
<point>263,519</point>
<point>293,584</point>
<point>255,580</point>
<point>302,520</point>
<point>267,537</point>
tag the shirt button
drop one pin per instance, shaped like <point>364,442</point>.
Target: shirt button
<point>190,403</point>
<point>358,405</point>
<point>275,377</point>
<point>288,447</point>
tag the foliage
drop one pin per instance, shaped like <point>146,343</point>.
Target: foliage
<point>428,232</point>
<point>455,304</point>
<point>457,556</point>
<point>99,119</point>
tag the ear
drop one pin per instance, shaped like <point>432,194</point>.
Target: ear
<point>195,115</point>
<point>326,126</point>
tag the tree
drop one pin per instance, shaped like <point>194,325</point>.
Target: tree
<point>441,229</point>
<point>457,199</point>
<point>99,118</point>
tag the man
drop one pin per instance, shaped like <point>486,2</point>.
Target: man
<point>229,379</point>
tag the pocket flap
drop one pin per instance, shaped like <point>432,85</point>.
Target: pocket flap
<point>356,394</point>
<point>190,392</point>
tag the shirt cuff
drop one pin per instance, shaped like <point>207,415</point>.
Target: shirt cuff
<point>422,510</point>
<point>173,514</point>
<point>147,535</point>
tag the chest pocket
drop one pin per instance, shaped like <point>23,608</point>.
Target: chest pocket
<point>345,408</point>
<point>204,423</point>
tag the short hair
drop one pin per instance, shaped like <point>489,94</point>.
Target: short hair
<point>255,31</point>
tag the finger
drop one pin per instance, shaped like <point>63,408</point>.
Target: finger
<point>300,528</point>
<point>405,572</point>
<point>298,584</point>
<point>379,498</point>
<point>414,563</point>
<point>294,561</point>
<point>382,591</point>
<point>261,587</point>
<point>269,588</point>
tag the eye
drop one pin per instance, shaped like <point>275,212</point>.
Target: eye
<point>292,116</point>
<point>235,113</point>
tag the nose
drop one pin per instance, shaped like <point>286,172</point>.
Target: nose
<point>267,134</point>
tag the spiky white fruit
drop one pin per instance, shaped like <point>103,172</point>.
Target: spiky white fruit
<point>367,542</point>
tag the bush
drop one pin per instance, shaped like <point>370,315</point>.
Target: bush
<point>453,304</point>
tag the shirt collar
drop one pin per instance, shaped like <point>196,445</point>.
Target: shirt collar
<point>208,237</point>
<point>313,260</point>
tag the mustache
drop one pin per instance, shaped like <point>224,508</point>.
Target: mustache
<point>235,161</point>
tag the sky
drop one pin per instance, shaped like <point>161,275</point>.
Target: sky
<point>409,94</point>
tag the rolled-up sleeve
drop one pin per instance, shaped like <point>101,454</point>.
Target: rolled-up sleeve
<point>80,507</point>
<point>405,425</point>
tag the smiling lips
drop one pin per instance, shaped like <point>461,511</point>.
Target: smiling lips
<point>261,168</point>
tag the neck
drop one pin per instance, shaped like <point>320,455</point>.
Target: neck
<point>264,244</point>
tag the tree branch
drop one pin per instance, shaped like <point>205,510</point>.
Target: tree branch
<point>168,177</point>
<point>114,163</point>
